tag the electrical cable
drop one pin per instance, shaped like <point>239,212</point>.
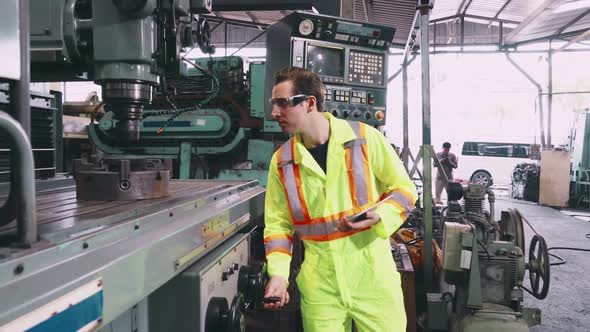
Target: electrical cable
<point>485,249</point>
<point>562,261</point>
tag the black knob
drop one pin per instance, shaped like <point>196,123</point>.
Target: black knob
<point>336,113</point>
<point>356,114</point>
<point>225,275</point>
<point>368,115</point>
<point>345,114</point>
<point>235,266</point>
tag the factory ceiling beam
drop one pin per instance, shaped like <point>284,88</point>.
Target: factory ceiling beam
<point>573,41</point>
<point>326,7</point>
<point>254,19</point>
<point>245,24</point>
<point>572,22</point>
<point>502,9</point>
<point>527,21</point>
<point>495,18</point>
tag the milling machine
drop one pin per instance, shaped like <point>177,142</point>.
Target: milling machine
<point>484,266</point>
<point>106,251</point>
<point>213,119</point>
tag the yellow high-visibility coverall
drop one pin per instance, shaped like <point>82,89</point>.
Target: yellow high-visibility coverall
<point>344,276</point>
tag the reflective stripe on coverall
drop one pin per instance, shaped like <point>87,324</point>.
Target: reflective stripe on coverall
<point>345,275</point>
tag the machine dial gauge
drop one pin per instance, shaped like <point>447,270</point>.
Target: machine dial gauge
<point>306,27</point>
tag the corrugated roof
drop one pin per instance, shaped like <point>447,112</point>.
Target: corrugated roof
<point>537,19</point>
<point>394,13</point>
<point>398,14</point>
<point>551,22</point>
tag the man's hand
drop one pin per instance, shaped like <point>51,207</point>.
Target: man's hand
<point>346,225</point>
<point>276,287</point>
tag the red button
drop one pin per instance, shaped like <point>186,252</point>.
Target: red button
<point>376,33</point>
<point>379,115</point>
<point>371,101</point>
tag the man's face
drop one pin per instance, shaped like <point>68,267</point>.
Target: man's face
<point>291,118</point>
<point>446,150</point>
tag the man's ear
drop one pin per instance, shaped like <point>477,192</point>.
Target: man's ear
<point>312,103</point>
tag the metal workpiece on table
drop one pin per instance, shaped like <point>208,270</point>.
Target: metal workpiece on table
<point>122,179</point>
<point>134,246</point>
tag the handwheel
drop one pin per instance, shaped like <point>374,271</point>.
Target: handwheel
<point>237,322</point>
<point>252,283</point>
<point>217,315</point>
<point>538,266</point>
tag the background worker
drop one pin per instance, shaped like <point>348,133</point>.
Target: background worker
<point>328,171</point>
<point>449,162</point>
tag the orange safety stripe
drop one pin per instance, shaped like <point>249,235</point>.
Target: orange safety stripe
<point>351,182</point>
<point>281,250</point>
<point>300,192</point>
<point>335,216</point>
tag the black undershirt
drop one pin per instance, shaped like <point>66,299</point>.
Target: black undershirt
<point>320,154</point>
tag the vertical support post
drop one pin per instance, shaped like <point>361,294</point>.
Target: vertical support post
<point>425,7</point>
<point>462,31</point>
<point>20,90</point>
<point>538,97</point>
<point>549,93</point>
<point>406,140</point>
<point>225,37</point>
<point>58,131</point>
<point>185,161</point>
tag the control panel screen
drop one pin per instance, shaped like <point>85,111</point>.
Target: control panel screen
<point>326,61</point>
<point>366,67</point>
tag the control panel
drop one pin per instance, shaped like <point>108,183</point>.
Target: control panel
<point>349,57</point>
<point>366,68</point>
<point>205,297</point>
<point>366,105</point>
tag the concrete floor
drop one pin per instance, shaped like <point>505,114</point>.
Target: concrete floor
<point>567,306</point>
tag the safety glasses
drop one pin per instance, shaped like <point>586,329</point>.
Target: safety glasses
<point>289,101</point>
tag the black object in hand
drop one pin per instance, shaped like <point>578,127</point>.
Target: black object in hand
<point>271,299</point>
<point>360,217</point>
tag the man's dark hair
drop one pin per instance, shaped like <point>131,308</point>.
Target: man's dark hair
<point>305,82</point>
<point>446,145</point>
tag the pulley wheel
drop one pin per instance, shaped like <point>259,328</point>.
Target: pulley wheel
<point>236,320</point>
<point>454,191</point>
<point>539,269</point>
<point>515,227</point>
<point>216,318</point>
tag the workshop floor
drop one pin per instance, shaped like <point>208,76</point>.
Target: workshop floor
<point>567,307</point>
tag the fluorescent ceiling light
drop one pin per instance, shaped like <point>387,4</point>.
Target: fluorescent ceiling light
<point>566,7</point>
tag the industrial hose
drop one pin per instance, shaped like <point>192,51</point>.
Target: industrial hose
<point>177,112</point>
<point>561,260</point>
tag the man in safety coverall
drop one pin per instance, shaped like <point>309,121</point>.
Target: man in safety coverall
<point>329,170</point>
